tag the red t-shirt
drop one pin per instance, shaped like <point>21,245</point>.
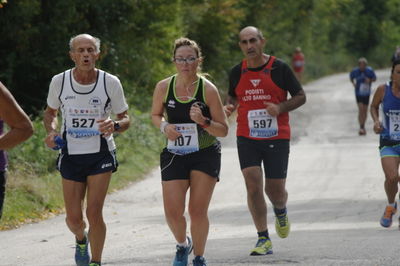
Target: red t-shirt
<point>254,89</point>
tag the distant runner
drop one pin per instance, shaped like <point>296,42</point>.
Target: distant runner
<point>362,77</point>
<point>298,62</point>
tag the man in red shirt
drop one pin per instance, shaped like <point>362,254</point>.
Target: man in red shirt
<point>298,63</point>
<point>258,89</point>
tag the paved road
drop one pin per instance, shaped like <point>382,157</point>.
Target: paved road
<point>336,198</point>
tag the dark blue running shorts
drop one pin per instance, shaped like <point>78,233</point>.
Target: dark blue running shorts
<point>78,167</point>
<point>273,153</point>
<point>362,99</point>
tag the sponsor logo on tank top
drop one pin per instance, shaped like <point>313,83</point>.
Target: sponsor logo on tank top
<point>70,97</point>
<point>255,82</point>
<point>171,103</point>
<point>255,94</point>
<point>95,101</point>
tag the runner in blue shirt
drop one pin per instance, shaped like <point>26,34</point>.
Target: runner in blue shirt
<point>385,111</point>
<point>362,77</point>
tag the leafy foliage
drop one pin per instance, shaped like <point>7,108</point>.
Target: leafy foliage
<point>137,37</point>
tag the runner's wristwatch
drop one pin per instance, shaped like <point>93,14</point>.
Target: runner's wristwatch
<point>117,126</point>
<point>207,123</point>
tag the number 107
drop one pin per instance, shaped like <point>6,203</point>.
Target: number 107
<point>180,141</point>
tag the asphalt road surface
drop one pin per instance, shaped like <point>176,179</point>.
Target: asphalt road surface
<point>336,198</point>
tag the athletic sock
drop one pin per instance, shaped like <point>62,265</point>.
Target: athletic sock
<point>392,204</point>
<point>263,234</point>
<point>280,211</point>
<point>81,242</point>
<point>183,244</point>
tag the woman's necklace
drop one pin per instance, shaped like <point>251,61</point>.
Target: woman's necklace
<point>189,95</point>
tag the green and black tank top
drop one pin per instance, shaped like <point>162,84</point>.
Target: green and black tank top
<point>177,110</point>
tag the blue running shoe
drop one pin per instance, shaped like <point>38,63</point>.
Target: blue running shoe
<point>199,261</point>
<point>386,220</point>
<point>182,254</point>
<point>82,257</point>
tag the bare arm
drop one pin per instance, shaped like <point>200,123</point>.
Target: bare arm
<point>157,111</point>
<point>353,82</point>
<point>219,124</point>
<point>293,103</point>
<point>374,109</point>
<point>123,120</point>
<point>230,105</point>
<point>21,127</point>
<point>106,126</point>
<point>50,124</point>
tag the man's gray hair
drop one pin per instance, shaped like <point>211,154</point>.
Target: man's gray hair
<point>363,60</point>
<point>257,30</point>
<point>95,39</point>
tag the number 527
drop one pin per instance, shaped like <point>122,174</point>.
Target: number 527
<point>82,122</point>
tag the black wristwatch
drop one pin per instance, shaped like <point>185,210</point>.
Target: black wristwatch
<point>117,126</point>
<point>207,123</point>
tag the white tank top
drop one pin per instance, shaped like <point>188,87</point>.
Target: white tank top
<point>81,111</point>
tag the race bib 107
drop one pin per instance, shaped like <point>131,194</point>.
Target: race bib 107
<point>187,142</point>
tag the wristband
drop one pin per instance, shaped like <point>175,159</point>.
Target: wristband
<point>163,125</point>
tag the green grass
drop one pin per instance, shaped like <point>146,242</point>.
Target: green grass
<point>34,190</point>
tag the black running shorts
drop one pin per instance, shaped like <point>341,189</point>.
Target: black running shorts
<point>362,99</point>
<point>273,153</point>
<point>78,167</point>
<point>206,160</point>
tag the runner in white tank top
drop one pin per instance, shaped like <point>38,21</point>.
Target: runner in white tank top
<point>86,97</point>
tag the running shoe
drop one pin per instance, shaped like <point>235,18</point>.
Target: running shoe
<point>82,257</point>
<point>386,220</point>
<point>199,261</point>
<point>94,264</point>
<point>182,254</point>
<point>263,247</point>
<point>282,225</point>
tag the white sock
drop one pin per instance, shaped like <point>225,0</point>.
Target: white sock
<point>183,244</point>
<point>392,204</point>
